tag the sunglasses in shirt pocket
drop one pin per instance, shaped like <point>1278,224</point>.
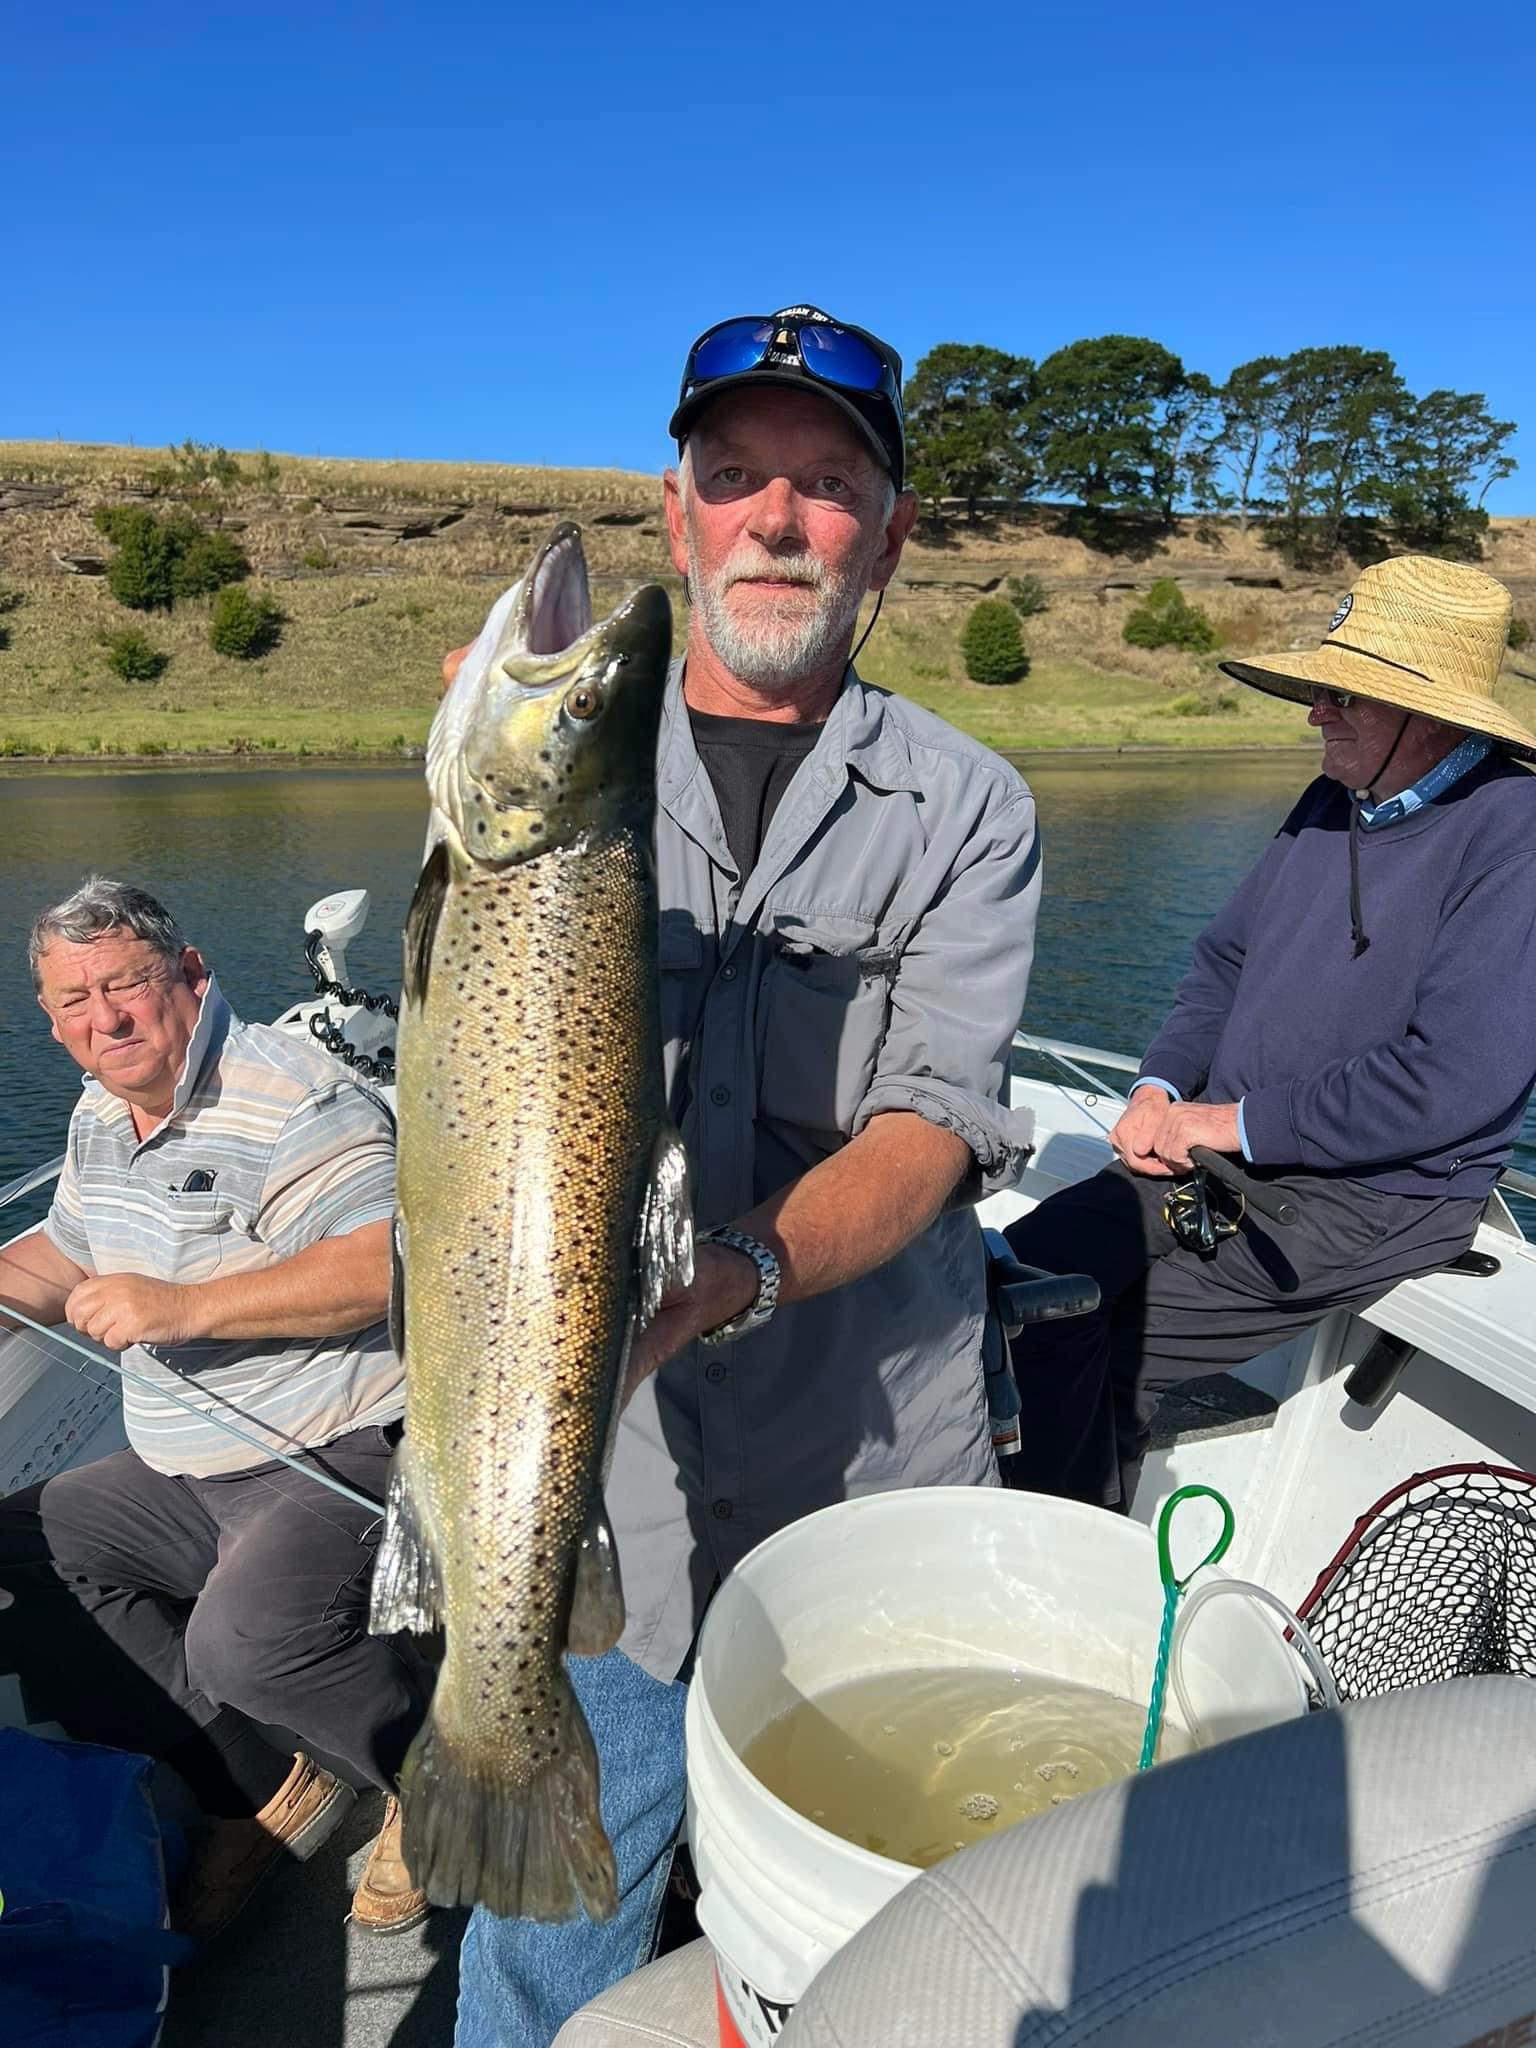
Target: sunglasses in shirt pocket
<point>195,1233</point>
<point>822,1015</point>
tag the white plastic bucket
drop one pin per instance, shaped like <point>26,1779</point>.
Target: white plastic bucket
<point>936,1576</point>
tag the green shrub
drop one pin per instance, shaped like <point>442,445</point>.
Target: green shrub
<point>1166,618</point>
<point>1519,632</point>
<point>1196,704</point>
<point>12,600</point>
<point>317,557</point>
<point>160,560</point>
<point>141,575</point>
<point>991,646</point>
<point>1027,595</point>
<point>117,520</point>
<point>243,626</point>
<point>266,475</point>
<point>133,655</point>
<point>195,464</point>
<point>207,562</point>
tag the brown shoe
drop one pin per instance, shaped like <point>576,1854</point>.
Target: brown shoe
<point>386,1901</point>
<point>235,1855</point>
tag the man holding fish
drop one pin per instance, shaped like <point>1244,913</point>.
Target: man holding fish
<point>844,903</point>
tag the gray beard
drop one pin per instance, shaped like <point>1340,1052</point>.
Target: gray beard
<point>778,653</point>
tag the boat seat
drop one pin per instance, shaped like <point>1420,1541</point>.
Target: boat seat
<point>669,2004</point>
<point>1362,1877</point>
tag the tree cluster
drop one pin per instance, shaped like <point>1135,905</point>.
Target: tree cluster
<point>1324,446</point>
<point>159,560</point>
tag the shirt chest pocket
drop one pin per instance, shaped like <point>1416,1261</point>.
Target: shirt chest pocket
<point>196,1233</point>
<point>823,1010</point>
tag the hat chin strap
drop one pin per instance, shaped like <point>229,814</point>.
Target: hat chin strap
<point>1356,798</point>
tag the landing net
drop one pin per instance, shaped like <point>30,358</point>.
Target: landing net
<point>1437,1580</point>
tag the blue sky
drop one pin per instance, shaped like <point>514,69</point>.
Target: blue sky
<point>489,233</point>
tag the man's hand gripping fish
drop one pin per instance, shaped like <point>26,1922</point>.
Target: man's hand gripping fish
<point>543,1211</point>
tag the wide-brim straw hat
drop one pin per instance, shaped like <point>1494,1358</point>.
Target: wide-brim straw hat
<point>1414,631</point>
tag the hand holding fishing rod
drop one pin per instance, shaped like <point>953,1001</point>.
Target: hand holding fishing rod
<point>1156,1136</point>
<point>1259,1195</point>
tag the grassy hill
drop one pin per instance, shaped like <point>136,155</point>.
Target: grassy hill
<point>381,566</point>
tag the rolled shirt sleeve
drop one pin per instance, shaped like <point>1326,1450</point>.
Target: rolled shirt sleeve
<point>332,1170</point>
<point>958,994</point>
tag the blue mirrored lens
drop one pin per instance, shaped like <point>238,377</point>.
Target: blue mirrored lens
<point>739,345</point>
<point>838,357</point>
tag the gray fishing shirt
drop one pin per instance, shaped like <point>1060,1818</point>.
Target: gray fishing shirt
<point>876,958</point>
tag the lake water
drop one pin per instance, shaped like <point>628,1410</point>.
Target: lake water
<point>1138,854</point>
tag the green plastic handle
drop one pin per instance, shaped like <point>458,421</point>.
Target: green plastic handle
<point>1164,1530</point>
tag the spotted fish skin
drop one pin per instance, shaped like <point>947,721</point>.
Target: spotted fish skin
<point>542,1210</point>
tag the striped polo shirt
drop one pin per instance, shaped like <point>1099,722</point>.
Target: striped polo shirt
<point>270,1145</point>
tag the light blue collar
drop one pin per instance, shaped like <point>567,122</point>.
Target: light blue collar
<point>1430,785</point>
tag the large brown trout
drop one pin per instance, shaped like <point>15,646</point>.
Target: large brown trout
<point>542,1212</point>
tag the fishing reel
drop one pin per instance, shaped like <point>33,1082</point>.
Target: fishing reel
<point>1202,1210</point>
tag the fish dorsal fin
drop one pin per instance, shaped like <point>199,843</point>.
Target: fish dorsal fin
<point>421,922</point>
<point>597,1608</point>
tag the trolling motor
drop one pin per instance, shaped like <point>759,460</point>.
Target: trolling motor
<point>361,1032</point>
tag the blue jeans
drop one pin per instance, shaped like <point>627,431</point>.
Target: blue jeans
<point>520,1982</point>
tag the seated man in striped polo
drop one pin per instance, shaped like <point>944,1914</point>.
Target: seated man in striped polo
<point>223,1221</point>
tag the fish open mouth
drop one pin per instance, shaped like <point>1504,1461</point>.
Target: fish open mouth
<point>556,607</point>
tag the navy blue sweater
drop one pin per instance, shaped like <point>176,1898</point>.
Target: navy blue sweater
<point>1409,1066</point>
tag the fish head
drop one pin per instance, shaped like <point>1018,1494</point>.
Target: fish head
<point>551,735</point>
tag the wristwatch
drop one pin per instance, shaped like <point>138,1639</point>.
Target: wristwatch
<point>759,1310</point>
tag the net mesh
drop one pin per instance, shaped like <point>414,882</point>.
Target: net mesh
<point>1437,1580</point>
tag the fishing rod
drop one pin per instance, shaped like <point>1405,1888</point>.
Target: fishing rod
<point>28,1183</point>
<point>138,1379</point>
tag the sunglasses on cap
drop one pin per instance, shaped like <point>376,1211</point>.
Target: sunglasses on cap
<point>843,357</point>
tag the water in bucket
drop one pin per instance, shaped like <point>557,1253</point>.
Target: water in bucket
<point>917,1764</point>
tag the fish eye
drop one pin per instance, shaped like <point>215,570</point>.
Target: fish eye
<point>584,702</point>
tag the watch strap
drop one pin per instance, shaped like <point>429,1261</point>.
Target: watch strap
<point>760,1309</point>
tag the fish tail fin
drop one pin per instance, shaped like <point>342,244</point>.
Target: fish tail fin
<point>535,1851</point>
<point>407,1586</point>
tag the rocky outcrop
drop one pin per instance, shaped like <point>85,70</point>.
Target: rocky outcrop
<point>80,565</point>
<point>34,497</point>
<point>380,523</point>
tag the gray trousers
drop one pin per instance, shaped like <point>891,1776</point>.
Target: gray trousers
<point>1090,1385</point>
<point>182,1617</point>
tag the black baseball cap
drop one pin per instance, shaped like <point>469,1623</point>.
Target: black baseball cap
<point>801,348</point>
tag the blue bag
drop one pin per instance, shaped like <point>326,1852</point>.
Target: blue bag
<point>84,1948</point>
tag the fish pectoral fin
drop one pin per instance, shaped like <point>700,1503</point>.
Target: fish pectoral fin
<point>421,922</point>
<point>597,1608</point>
<point>664,1233</point>
<point>397,1286</point>
<point>407,1587</point>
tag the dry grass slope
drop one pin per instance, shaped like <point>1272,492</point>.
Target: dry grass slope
<point>380,566</point>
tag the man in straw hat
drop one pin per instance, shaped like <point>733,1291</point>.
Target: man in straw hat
<point>1358,1023</point>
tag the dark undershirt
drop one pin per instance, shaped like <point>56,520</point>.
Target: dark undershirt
<point>750,763</point>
